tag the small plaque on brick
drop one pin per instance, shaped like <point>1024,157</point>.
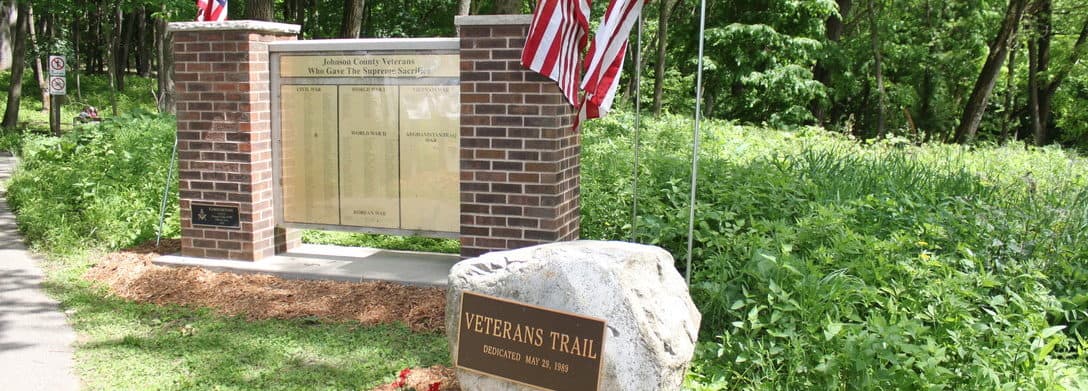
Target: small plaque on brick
<point>216,216</point>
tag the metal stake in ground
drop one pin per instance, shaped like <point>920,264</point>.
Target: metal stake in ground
<point>166,190</point>
<point>638,128</point>
<point>695,144</point>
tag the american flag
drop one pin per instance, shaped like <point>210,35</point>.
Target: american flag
<point>555,43</point>
<point>211,10</point>
<point>605,58</point>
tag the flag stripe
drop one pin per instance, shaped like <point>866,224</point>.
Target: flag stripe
<point>604,62</point>
<point>555,43</point>
<point>211,10</point>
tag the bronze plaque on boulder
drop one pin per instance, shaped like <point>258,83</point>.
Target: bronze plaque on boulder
<point>215,216</point>
<point>531,345</point>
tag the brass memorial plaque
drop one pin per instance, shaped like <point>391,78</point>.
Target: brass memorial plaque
<point>369,140</point>
<point>369,161</point>
<point>309,165</point>
<point>430,165</point>
<point>527,344</point>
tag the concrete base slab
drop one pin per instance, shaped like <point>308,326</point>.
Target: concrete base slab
<point>323,262</point>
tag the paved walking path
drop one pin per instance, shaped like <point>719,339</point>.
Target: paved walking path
<point>35,338</point>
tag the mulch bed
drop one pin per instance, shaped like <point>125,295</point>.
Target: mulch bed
<point>131,275</point>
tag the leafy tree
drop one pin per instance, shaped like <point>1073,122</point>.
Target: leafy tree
<point>15,92</point>
<point>984,85</point>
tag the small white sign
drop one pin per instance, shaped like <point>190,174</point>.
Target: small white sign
<point>57,85</point>
<point>57,65</point>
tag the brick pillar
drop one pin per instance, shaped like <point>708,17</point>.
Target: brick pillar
<point>519,155</point>
<point>224,136</point>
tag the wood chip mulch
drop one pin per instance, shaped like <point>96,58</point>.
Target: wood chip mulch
<point>131,275</point>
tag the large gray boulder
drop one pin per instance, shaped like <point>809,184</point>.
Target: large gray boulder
<point>652,322</point>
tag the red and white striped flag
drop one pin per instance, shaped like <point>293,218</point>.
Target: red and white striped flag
<point>605,58</point>
<point>211,10</point>
<point>556,41</point>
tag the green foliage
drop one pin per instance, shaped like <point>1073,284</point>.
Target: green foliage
<point>1071,107</point>
<point>95,92</point>
<point>759,59</point>
<point>389,242</point>
<point>824,263</point>
<point>381,19</point>
<point>97,186</point>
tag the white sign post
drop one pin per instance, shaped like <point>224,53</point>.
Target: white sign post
<point>57,87</point>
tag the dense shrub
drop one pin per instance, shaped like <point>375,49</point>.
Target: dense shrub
<point>97,186</point>
<point>822,263</point>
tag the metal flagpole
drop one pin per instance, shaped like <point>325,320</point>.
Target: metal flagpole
<point>695,144</point>
<point>166,189</point>
<point>638,129</point>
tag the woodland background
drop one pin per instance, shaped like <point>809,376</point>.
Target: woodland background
<point>948,71</point>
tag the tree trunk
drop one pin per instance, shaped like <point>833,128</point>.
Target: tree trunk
<point>259,10</point>
<point>368,10</point>
<point>1010,82</point>
<point>834,28</point>
<point>1043,92</point>
<point>39,73</point>
<point>18,61</point>
<point>662,52</point>
<point>984,85</point>
<point>167,99</point>
<point>353,18</point>
<point>111,55</point>
<point>77,31</point>
<point>8,14</point>
<point>143,45</point>
<point>94,30</point>
<point>124,42</point>
<point>878,70</point>
<point>508,7</point>
<point>300,14</point>
<point>1038,65</point>
<point>464,7</point>
<point>926,118</point>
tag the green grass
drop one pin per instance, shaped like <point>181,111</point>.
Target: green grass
<point>129,346</point>
<point>389,242</point>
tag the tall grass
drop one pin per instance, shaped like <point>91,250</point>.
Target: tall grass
<point>821,262</point>
<point>97,187</point>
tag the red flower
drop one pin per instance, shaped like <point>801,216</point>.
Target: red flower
<point>435,386</point>
<point>404,373</point>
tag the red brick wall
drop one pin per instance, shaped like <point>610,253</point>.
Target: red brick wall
<point>224,138</point>
<point>519,155</point>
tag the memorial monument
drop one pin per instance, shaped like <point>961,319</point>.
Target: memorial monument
<point>443,137</point>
